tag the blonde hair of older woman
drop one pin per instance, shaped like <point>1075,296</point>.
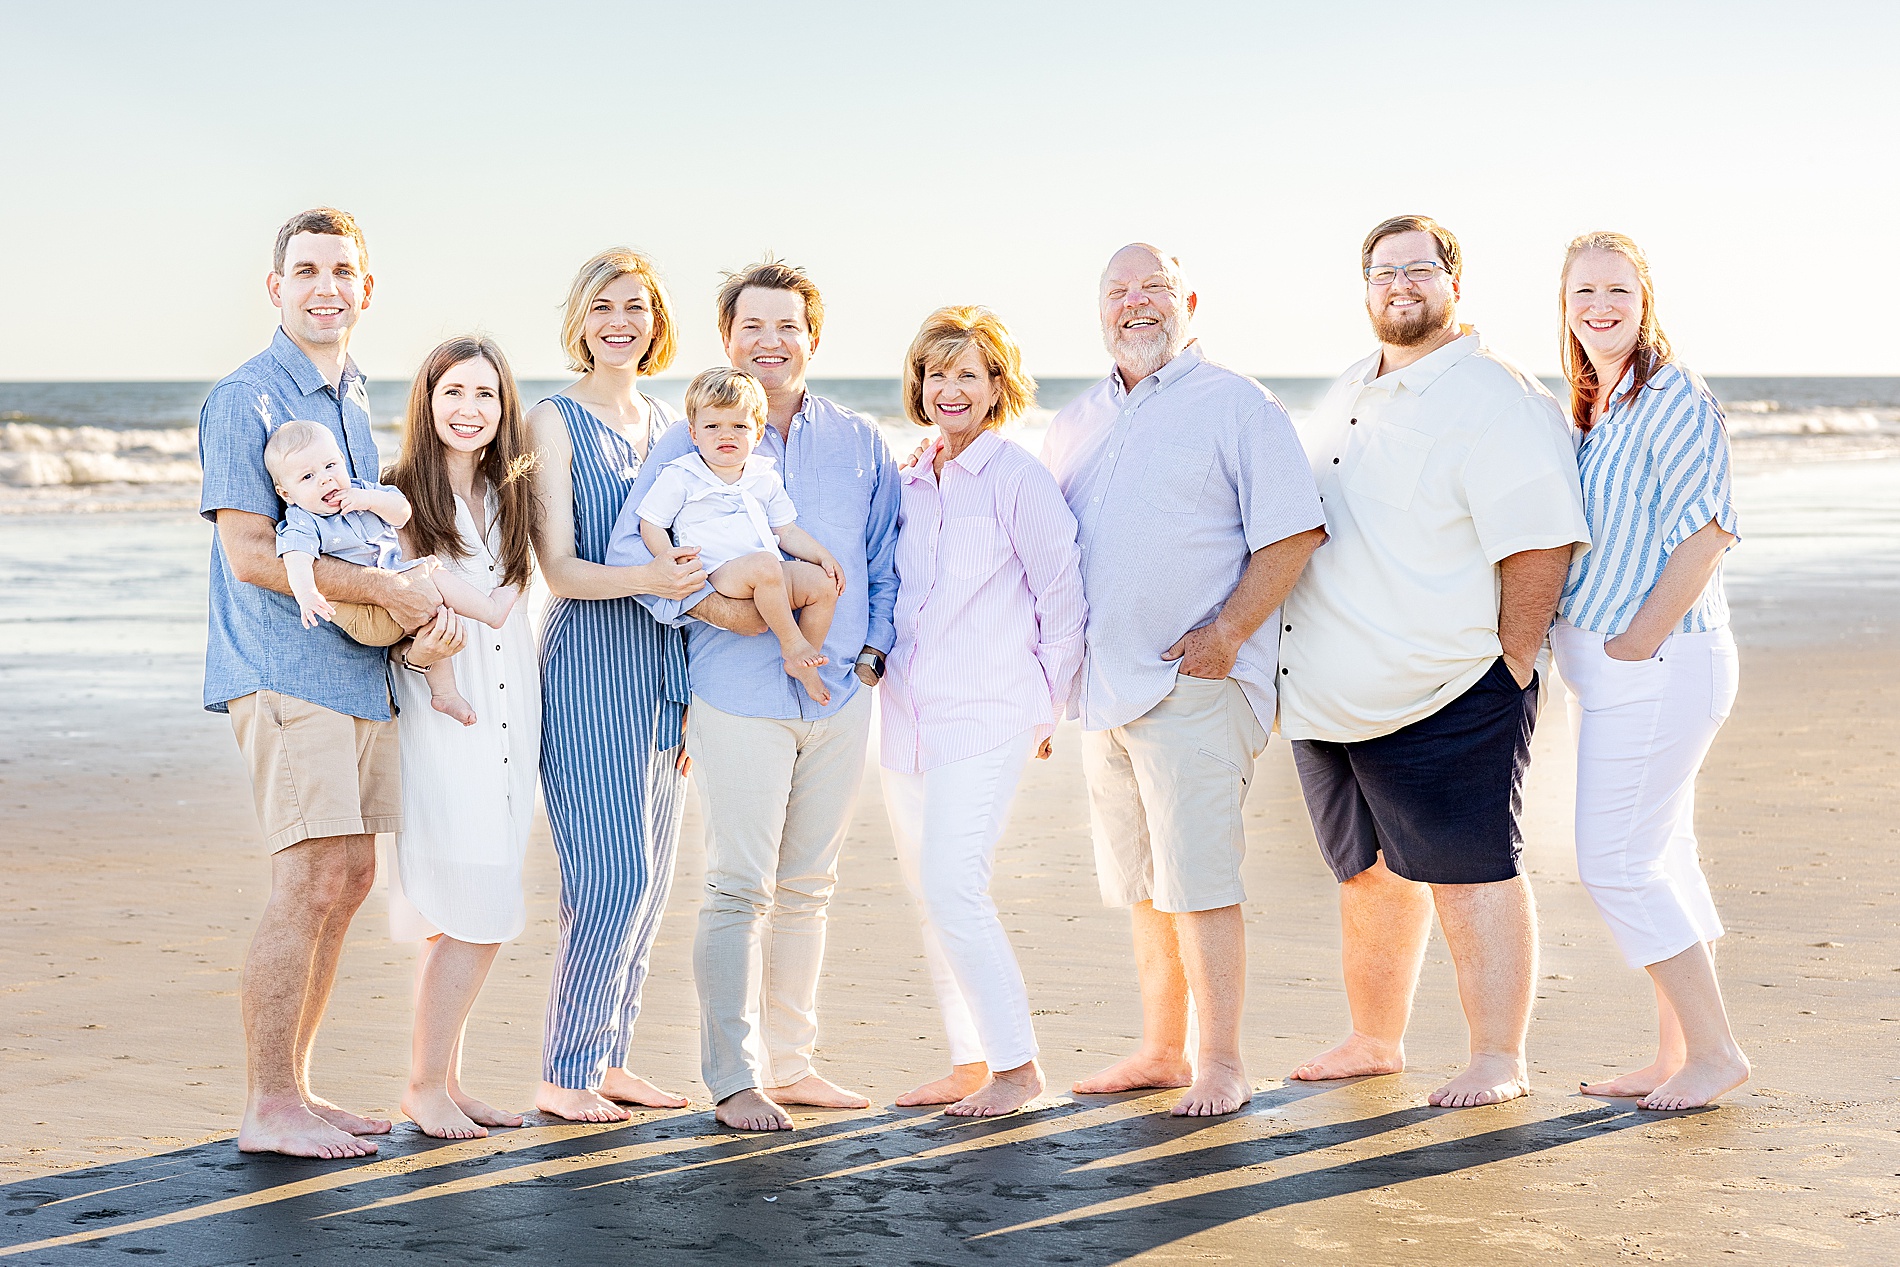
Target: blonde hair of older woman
<point>946,334</point>
<point>595,276</point>
<point>1652,350</point>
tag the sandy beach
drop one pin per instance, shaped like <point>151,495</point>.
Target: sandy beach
<point>134,877</point>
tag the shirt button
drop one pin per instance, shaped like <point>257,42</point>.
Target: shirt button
<point>1354,421</point>
<point>498,646</point>
<point>1335,461</point>
<point>504,725</point>
<point>501,686</point>
<point>1289,629</point>
<point>1282,672</point>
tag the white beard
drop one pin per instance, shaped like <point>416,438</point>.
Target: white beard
<point>1139,355</point>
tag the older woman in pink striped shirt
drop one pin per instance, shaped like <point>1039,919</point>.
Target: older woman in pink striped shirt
<point>989,641</point>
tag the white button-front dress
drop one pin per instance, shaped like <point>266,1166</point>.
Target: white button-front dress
<point>468,791</point>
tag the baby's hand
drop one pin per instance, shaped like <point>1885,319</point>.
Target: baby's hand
<point>355,499</point>
<point>314,607</point>
<point>832,570</point>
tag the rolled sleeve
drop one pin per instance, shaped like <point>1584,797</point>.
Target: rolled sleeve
<point>232,428</point>
<point>1278,498</point>
<point>298,533</point>
<point>880,552</point>
<point>1701,491</point>
<point>1521,483</point>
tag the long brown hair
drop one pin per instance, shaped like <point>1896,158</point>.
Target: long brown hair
<point>1652,350</point>
<point>422,474</point>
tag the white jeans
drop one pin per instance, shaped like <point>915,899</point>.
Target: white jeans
<point>946,822</point>
<point>1645,727</point>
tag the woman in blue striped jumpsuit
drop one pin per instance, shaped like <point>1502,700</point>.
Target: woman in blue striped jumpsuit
<point>613,685</point>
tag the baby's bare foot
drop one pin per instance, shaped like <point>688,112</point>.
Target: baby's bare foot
<point>504,598</point>
<point>455,706</point>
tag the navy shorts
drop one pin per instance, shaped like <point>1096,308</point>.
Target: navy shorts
<point>1440,798</point>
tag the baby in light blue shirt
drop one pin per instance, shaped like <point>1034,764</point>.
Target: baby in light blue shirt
<point>329,514</point>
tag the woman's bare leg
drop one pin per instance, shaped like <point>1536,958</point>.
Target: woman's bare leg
<point>451,977</point>
<point>1671,1054</point>
<point>1714,1063</point>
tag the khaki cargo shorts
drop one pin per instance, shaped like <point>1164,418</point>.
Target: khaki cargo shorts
<point>315,772</point>
<point>1165,793</point>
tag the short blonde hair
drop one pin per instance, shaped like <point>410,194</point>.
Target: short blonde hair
<point>769,274</point>
<point>292,438</point>
<point>594,277</point>
<point>725,388</point>
<point>946,334</point>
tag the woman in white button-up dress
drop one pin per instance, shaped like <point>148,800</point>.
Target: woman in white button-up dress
<point>467,791</point>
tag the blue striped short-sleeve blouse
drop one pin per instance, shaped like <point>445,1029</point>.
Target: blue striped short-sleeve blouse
<point>1655,471</point>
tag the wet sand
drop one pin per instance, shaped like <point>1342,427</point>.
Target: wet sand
<point>134,879</point>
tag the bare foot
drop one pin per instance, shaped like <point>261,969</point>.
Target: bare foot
<point>1639,1083</point>
<point>431,1109</point>
<point>959,1082</point>
<point>577,1104</point>
<point>752,1110</point>
<point>1218,1088</point>
<point>627,1088</point>
<point>1486,1080</point>
<point>455,706</point>
<point>480,1113</point>
<point>504,598</point>
<point>1140,1072</point>
<point>1697,1083</point>
<point>800,652</point>
<point>290,1128</point>
<point>1004,1093</point>
<point>819,1094</point>
<point>809,679</point>
<point>344,1120</point>
<point>1357,1057</point>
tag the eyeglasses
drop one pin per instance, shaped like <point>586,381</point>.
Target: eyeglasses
<point>1416,271</point>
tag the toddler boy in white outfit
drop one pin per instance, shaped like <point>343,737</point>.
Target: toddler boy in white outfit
<point>730,502</point>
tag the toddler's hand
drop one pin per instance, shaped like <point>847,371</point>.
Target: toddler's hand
<point>352,499</point>
<point>832,570</point>
<point>1043,750</point>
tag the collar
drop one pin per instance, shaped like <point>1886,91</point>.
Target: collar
<point>1184,362</point>
<point>1418,377</point>
<point>973,458</point>
<point>694,464</point>
<point>309,380</point>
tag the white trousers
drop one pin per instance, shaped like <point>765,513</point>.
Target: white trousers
<point>1645,727</point>
<point>946,822</point>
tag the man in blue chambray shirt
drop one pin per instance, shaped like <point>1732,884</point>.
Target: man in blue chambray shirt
<point>778,772</point>
<point>309,706</point>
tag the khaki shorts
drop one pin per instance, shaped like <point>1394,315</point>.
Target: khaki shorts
<point>371,626</point>
<point>317,773</point>
<point>1165,793</point>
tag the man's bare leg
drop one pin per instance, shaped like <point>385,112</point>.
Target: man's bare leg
<point>752,1110</point>
<point>308,880</point>
<point>1214,953</point>
<point>1384,922</point>
<point>360,855</point>
<point>1672,1052</point>
<point>1491,930</point>
<point>1161,1060</point>
<point>1714,1063</point>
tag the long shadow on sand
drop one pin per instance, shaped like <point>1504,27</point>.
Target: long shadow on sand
<point>1087,1183</point>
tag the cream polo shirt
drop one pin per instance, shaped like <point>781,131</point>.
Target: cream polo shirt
<point>1428,476</point>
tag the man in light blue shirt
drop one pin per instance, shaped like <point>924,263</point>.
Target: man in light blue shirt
<point>1196,512</point>
<point>778,772</point>
<point>309,706</point>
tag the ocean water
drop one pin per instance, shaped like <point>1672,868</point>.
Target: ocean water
<point>75,447</point>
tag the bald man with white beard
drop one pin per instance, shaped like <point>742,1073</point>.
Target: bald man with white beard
<point>1196,511</point>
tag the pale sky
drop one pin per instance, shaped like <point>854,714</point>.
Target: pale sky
<point>917,155</point>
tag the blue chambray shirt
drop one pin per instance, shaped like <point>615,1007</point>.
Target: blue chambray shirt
<point>841,478</point>
<point>256,640</point>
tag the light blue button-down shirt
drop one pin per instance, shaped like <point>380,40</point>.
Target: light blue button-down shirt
<point>1174,485</point>
<point>840,476</point>
<point>1655,471</point>
<point>256,640</point>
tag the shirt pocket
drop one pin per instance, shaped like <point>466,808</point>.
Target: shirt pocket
<point>843,486</point>
<point>1175,478</point>
<point>1389,469</point>
<point>972,548</point>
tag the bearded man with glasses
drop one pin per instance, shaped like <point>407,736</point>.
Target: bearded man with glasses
<point>1409,655</point>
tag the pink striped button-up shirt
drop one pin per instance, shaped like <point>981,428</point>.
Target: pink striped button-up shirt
<point>989,607</point>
